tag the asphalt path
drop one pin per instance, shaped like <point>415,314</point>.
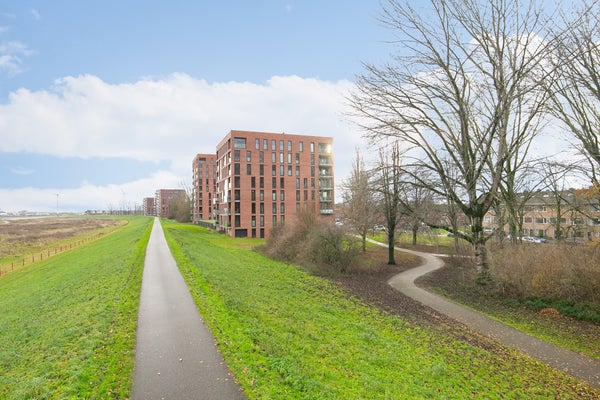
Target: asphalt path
<point>176,355</point>
<point>570,362</point>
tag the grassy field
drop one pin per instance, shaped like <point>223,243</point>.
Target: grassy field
<point>289,335</point>
<point>24,241</point>
<point>67,324</point>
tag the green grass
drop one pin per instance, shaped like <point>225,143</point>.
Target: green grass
<point>290,335</point>
<point>67,324</point>
<point>524,316</point>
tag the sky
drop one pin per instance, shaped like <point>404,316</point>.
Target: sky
<point>104,102</point>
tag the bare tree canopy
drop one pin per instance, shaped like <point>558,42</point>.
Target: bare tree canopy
<point>576,91</point>
<point>465,92</point>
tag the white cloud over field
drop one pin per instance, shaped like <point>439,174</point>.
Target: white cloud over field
<point>170,118</point>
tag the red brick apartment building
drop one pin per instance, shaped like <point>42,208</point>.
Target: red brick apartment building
<point>264,179</point>
<point>204,186</point>
<point>162,200</point>
<point>149,206</point>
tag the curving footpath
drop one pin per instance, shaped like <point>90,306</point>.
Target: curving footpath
<point>570,362</point>
<point>176,356</point>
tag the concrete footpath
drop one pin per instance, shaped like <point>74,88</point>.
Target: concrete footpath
<point>570,362</point>
<point>176,356</point>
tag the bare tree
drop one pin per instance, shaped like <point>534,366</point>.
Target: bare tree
<point>576,93</point>
<point>462,89</point>
<point>359,200</point>
<point>388,182</point>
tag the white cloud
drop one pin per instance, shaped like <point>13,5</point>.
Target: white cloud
<point>87,196</point>
<point>172,118</point>
<point>11,54</point>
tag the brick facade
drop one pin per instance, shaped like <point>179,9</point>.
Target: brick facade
<point>264,179</point>
<point>162,200</point>
<point>204,186</point>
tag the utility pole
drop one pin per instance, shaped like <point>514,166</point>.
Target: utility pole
<point>57,204</point>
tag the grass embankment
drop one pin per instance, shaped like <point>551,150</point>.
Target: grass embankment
<point>287,334</point>
<point>67,324</point>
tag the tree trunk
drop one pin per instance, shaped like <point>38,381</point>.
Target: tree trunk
<point>414,235</point>
<point>481,259</point>
<point>391,245</point>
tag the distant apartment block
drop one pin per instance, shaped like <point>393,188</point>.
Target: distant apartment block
<point>163,200</point>
<point>149,206</point>
<point>264,179</point>
<point>567,215</point>
<point>204,187</point>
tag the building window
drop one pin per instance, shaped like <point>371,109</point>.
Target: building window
<point>248,169</point>
<point>237,221</point>
<point>274,208</point>
<point>273,157</point>
<point>281,158</point>
<point>236,169</point>
<point>236,156</point>
<point>265,144</point>
<point>239,143</point>
<point>324,148</point>
<point>282,170</point>
<point>261,157</point>
<point>261,169</point>
<point>289,145</point>
<point>312,147</point>
<point>274,183</point>
<point>248,156</point>
<point>274,220</point>
<point>274,170</point>
<point>540,220</point>
<point>262,208</point>
<point>261,182</point>
<point>253,195</point>
<point>273,144</point>
<point>253,182</point>
<point>262,220</point>
<point>297,158</point>
<point>281,145</point>
<point>289,158</point>
<point>253,208</point>
<point>289,170</point>
<point>297,183</point>
<point>300,147</point>
<point>281,183</point>
<point>262,195</point>
<point>528,220</point>
<point>274,195</point>
<point>282,208</point>
<point>253,222</point>
<point>257,144</point>
<point>236,182</point>
<point>282,195</point>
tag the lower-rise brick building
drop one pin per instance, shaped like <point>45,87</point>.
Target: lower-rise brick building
<point>163,200</point>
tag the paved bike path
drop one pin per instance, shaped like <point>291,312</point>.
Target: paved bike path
<point>176,355</point>
<point>570,362</point>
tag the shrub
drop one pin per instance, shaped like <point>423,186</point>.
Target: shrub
<point>331,247</point>
<point>309,241</point>
<point>558,272</point>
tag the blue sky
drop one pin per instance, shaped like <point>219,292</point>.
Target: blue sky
<point>104,102</point>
